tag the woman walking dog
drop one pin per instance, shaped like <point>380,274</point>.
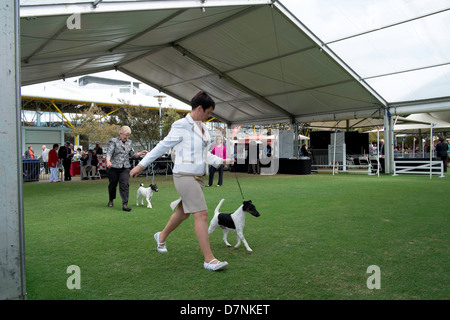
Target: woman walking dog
<point>120,150</point>
<point>190,139</point>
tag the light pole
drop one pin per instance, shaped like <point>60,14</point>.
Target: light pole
<point>160,101</point>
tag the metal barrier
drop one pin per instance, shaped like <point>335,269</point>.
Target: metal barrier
<point>348,168</point>
<point>31,169</point>
<point>159,166</point>
<point>419,167</point>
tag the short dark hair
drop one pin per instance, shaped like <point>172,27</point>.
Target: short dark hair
<point>55,145</point>
<point>202,99</point>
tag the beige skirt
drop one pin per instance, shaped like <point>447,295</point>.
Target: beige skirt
<point>190,190</point>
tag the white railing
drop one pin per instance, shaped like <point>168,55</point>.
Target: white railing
<point>368,165</point>
<point>347,168</point>
<point>419,167</point>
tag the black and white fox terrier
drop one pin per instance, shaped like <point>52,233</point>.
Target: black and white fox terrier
<point>233,221</point>
<point>146,193</point>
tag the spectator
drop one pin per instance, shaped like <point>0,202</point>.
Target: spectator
<point>220,151</point>
<point>98,150</point>
<point>381,152</point>
<point>53,163</point>
<point>89,165</point>
<point>78,155</point>
<point>44,157</point>
<point>65,155</point>
<point>29,154</point>
<point>304,151</point>
<point>442,151</point>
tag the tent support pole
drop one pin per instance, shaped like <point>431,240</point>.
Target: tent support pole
<point>388,139</point>
<point>12,248</point>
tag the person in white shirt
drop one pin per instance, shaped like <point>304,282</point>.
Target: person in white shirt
<point>190,140</point>
<point>44,157</point>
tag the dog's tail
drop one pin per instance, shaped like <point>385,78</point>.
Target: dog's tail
<point>141,185</point>
<point>214,223</point>
<point>217,211</point>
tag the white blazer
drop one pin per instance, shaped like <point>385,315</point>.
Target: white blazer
<point>191,148</point>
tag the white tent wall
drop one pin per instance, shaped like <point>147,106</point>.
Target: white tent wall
<point>12,255</point>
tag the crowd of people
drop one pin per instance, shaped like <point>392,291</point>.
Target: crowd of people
<point>409,148</point>
<point>59,159</point>
<point>89,159</point>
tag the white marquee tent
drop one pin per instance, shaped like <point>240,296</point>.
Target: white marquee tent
<point>261,60</point>
<point>255,59</point>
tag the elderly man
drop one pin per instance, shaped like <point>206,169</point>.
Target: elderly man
<point>44,157</point>
<point>89,165</point>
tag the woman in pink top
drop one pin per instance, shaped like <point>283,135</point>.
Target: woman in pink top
<point>220,151</point>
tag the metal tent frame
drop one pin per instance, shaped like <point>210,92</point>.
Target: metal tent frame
<point>259,60</point>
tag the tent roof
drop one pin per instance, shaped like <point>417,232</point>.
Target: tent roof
<point>419,123</point>
<point>258,61</point>
<point>362,123</point>
<point>401,48</point>
<point>438,124</point>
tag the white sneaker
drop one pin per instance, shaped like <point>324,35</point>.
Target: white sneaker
<point>161,246</point>
<point>220,265</point>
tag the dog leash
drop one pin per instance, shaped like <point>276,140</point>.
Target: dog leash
<point>235,175</point>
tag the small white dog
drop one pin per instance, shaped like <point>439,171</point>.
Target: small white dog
<point>233,221</point>
<point>146,193</point>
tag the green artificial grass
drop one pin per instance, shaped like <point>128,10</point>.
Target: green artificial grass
<point>315,239</point>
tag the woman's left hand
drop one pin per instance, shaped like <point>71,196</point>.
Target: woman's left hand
<point>229,161</point>
<point>142,153</point>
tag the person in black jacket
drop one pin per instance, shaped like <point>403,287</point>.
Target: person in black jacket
<point>66,154</point>
<point>442,151</point>
<point>89,163</point>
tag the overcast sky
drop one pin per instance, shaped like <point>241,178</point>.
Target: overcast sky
<point>417,44</point>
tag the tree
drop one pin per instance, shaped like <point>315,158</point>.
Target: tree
<point>145,123</point>
<point>92,124</point>
<point>170,116</point>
